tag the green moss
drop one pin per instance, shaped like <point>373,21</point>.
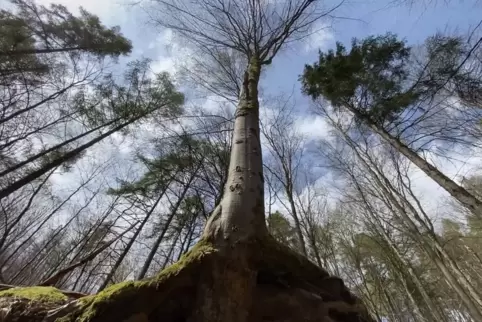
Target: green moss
<point>93,305</point>
<point>201,249</point>
<point>36,293</point>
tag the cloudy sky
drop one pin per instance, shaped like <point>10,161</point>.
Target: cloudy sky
<point>355,18</point>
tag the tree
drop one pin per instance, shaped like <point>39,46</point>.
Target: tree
<point>236,272</point>
<point>38,44</point>
<point>373,82</point>
<point>282,230</point>
<point>284,145</point>
<point>381,190</point>
<point>34,29</point>
<point>112,108</point>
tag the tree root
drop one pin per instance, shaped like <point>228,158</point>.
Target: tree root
<point>264,281</point>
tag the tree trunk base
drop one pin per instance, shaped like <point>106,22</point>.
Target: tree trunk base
<point>257,282</point>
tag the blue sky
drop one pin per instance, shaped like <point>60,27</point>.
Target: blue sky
<point>363,18</point>
<point>355,18</point>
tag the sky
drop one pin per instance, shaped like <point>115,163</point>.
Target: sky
<point>355,18</point>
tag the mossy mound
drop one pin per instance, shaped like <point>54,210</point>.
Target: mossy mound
<point>116,298</point>
<point>29,304</point>
<point>277,284</point>
<point>45,294</point>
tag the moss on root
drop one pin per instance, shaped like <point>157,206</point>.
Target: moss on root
<point>44,294</point>
<point>93,306</point>
<point>284,284</point>
<point>199,251</point>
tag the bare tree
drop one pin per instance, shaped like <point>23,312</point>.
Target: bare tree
<point>233,273</point>
<point>398,197</point>
<point>285,147</point>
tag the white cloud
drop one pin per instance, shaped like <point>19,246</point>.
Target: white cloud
<point>215,104</point>
<point>312,126</point>
<point>172,55</point>
<point>165,64</point>
<point>321,38</point>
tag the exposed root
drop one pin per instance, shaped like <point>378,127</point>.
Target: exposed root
<point>282,265</point>
<point>165,294</point>
<point>226,288</point>
<point>292,288</point>
<point>258,282</point>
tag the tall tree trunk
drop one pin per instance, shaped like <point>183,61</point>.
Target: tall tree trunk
<point>37,229</point>
<point>60,274</point>
<point>294,212</point>
<point>186,241</point>
<point>37,51</point>
<point>9,227</point>
<point>238,219</point>
<point>443,261</point>
<point>53,238</point>
<point>65,157</point>
<point>455,190</point>
<point>171,249</point>
<point>314,246</point>
<point>53,148</point>
<point>39,103</point>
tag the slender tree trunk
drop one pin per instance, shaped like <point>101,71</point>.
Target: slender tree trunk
<point>314,248</point>
<point>131,241</point>
<point>10,142</point>
<point>87,280</point>
<point>53,237</point>
<point>452,274</point>
<point>171,249</point>
<point>58,161</point>
<point>443,261</point>
<point>159,239</point>
<point>186,242</point>
<point>53,148</point>
<point>57,276</point>
<point>36,51</point>
<point>37,229</point>
<point>19,217</point>
<point>65,157</point>
<point>31,107</point>
<point>294,212</point>
<point>455,190</point>
<point>407,271</point>
<point>79,278</point>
